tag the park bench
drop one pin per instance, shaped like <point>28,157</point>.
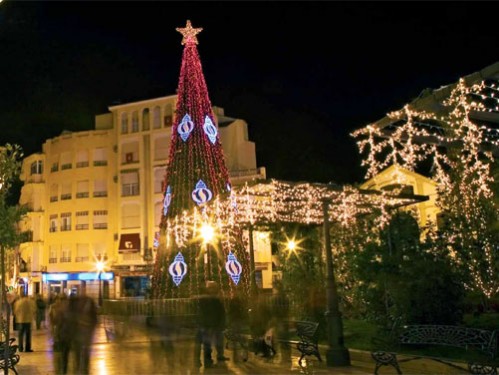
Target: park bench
<point>12,359</point>
<point>302,334</point>
<point>481,342</point>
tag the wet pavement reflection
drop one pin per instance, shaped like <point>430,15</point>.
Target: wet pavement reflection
<point>130,348</point>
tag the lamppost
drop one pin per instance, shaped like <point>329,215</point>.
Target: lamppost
<point>207,234</point>
<point>100,267</point>
<point>336,354</point>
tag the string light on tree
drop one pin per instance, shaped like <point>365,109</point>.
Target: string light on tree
<point>460,153</point>
<point>196,175</point>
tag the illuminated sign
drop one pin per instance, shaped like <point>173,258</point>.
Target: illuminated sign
<point>77,276</point>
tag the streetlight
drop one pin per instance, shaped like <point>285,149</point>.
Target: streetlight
<point>291,245</point>
<point>207,234</point>
<point>336,354</point>
<point>100,267</point>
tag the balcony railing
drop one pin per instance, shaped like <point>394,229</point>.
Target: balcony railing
<point>65,260</point>
<point>52,260</point>
<point>81,226</point>
<point>82,259</point>
<point>100,163</point>
<point>82,195</point>
<point>52,229</point>
<point>66,166</point>
<point>54,168</point>
<point>82,164</point>
<point>100,225</point>
<point>98,194</point>
<point>54,199</point>
<point>65,197</point>
<point>65,228</point>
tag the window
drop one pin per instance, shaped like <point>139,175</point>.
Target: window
<point>53,254</point>
<point>53,223</point>
<point>100,219</point>
<point>54,167</point>
<point>65,221</point>
<point>124,123</point>
<point>159,179</point>
<point>161,147</point>
<point>66,191</point>
<point>65,253</point>
<point>145,119</point>
<point>82,159</point>
<point>135,122</point>
<point>37,167</point>
<point>82,253</point>
<point>158,213</point>
<point>54,192</point>
<point>81,220</point>
<point>66,162</point>
<point>100,156</point>
<point>99,250</point>
<point>130,216</point>
<point>168,119</point>
<point>100,188</point>
<point>156,117</point>
<point>129,183</point>
<point>82,189</point>
<point>130,152</point>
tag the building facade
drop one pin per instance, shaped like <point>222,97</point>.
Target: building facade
<point>409,182</point>
<point>95,197</point>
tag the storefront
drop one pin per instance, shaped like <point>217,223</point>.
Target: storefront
<point>88,283</point>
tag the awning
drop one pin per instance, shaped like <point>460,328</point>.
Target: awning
<point>129,243</point>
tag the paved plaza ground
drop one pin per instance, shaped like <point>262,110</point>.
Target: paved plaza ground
<point>141,351</point>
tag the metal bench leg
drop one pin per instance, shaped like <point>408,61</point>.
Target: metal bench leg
<point>385,359</point>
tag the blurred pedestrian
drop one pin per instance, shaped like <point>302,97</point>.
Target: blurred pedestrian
<point>82,311</point>
<point>14,298</point>
<point>238,325</point>
<point>61,333</point>
<point>40,310</point>
<point>24,311</point>
<point>212,323</point>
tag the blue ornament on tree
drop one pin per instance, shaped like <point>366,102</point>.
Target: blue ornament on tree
<point>233,267</point>
<point>201,194</point>
<point>178,269</point>
<point>185,127</point>
<point>168,200</point>
<point>210,130</point>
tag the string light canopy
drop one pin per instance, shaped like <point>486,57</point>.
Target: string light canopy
<point>275,201</point>
<point>461,153</point>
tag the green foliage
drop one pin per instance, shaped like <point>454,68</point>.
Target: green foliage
<point>398,276</point>
<point>303,271</point>
<point>10,216</point>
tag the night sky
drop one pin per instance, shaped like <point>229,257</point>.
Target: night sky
<point>302,74</point>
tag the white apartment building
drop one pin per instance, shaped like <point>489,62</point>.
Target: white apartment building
<point>97,195</point>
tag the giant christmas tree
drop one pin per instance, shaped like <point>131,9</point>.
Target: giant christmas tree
<point>196,182</point>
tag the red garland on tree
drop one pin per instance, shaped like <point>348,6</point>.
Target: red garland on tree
<point>196,174</point>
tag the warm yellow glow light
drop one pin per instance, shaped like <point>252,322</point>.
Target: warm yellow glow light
<point>100,266</point>
<point>291,245</point>
<point>207,233</point>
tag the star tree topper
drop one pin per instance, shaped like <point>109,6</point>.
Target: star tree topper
<point>189,33</point>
